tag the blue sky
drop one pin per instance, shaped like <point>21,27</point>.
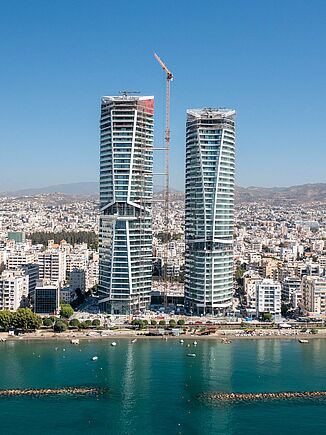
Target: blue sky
<point>266,59</point>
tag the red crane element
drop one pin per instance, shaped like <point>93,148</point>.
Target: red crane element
<point>169,77</point>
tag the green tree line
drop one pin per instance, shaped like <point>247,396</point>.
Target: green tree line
<point>23,318</point>
<point>71,237</point>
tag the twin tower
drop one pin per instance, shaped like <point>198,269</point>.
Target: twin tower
<point>126,189</point>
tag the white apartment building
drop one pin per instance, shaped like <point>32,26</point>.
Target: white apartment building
<point>52,266</point>
<point>250,281</point>
<point>17,259</point>
<point>314,295</point>
<point>13,290</point>
<point>268,297</point>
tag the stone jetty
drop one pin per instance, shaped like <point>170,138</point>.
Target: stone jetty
<point>246,397</point>
<point>76,391</point>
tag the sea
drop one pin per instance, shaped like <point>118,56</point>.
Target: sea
<point>155,388</point>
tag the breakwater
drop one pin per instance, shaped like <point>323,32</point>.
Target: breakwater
<point>76,391</point>
<point>246,397</point>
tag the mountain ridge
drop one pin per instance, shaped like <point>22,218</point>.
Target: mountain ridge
<point>302,192</point>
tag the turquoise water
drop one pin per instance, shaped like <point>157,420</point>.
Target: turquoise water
<point>153,387</point>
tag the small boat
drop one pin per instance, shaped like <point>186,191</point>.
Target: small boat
<point>192,355</point>
<point>134,340</point>
<point>74,341</point>
<point>301,340</point>
<point>195,343</point>
<point>225,341</point>
<point>181,341</point>
<point>2,340</point>
<point>94,358</point>
<point>113,343</point>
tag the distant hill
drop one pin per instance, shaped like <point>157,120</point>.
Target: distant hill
<point>301,193</point>
<point>82,188</point>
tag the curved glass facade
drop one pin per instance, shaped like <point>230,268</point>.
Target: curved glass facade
<point>210,166</point>
<point>126,188</point>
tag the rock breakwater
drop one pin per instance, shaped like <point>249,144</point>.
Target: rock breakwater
<point>246,397</point>
<point>77,391</point>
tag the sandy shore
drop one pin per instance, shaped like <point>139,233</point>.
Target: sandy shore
<point>110,335</point>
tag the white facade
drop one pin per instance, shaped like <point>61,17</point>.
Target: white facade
<point>314,295</point>
<point>210,166</point>
<point>52,266</point>
<point>126,185</point>
<point>13,290</point>
<point>268,297</point>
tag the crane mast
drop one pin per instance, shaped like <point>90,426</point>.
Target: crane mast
<point>169,77</point>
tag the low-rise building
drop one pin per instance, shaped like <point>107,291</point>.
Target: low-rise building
<point>47,298</point>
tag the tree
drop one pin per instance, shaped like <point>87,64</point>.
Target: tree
<point>314,331</point>
<point>74,323</point>
<point>47,322</point>
<point>66,311</point>
<point>59,326</point>
<point>181,322</point>
<point>88,323</point>
<point>96,323</point>
<point>139,323</point>
<point>267,317</point>
<point>284,309</point>
<point>5,319</point>
<point>153,322</point>
<point>162,323</point>
<point>25,319</point>
<point>172,323</point>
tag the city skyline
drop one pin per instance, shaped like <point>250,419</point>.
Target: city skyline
<point>67,65</point>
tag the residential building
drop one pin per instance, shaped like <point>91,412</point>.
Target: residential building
<point>314,295</point>
<point>268,297</point>
<point>209,208</point>
<point>125,238</point>
<point>13,290</point>
<point>290,285</point>
<point>78,280</point>
<point>52,266</point>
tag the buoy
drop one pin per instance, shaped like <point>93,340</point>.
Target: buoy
<point>195,343</point>
<point>181,341</point>
<point>94,358</point>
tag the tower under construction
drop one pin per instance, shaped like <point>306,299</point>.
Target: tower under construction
<point>126,189</point>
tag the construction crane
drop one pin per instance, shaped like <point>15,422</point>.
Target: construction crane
<point>169,77</point>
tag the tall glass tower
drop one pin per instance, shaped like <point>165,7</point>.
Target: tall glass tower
<point>210,164</point>
<point>126,188</point>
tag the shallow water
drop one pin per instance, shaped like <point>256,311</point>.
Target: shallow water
<point>154,387</point>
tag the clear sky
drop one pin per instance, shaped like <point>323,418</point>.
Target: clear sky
<point>265,58</point>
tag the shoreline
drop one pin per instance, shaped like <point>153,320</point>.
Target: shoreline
<point>83,336</point>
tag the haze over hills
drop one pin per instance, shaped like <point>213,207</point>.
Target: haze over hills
<point>303,193</point>
<point>300,193</point>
